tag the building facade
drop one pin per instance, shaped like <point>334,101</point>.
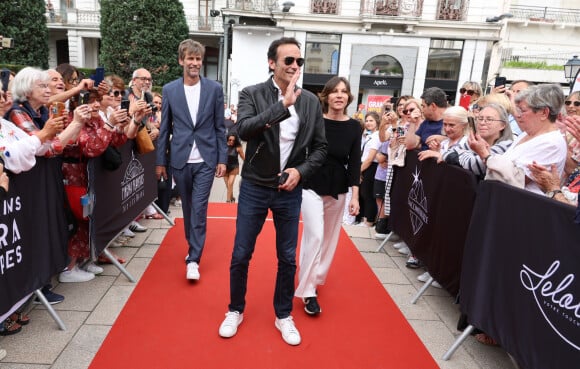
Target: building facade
<point>384,47</point>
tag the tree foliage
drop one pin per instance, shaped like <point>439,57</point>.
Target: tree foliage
<point>25,22</point>
<point>142,34</point>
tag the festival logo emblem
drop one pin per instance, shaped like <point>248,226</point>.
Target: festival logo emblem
<point>417,203</point>
<point>553,292</point>
<point>133,184</point>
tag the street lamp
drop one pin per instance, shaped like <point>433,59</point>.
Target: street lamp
<point>571,68</point>
<point>497,18</point>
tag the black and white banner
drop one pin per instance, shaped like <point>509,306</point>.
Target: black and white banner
<point>33,231</point>
<point>431,207</point>
<point>518,283</point>
<point>119,196</point>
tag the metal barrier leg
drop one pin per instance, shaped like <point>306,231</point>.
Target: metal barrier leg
<point>466,332</point>
<point>422,290</point>
<point>115,262</point>
<point>167,218</point>
<point>382,245</point>
<point>50,309</point>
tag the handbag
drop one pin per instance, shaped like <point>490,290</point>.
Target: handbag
<point>74,194</point>
<point>143,141</point>
<point>504,170</point>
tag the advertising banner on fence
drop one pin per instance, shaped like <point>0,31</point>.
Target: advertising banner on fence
<point>520,275</point>
<point>431,207</point>
<point>33,231</point>
<point>120,195</point>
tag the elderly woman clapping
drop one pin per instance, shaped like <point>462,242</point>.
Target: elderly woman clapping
<point>541,141</point>
<point>455,128</point>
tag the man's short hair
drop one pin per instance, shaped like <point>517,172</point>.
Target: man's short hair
<point>273,49</point>
<point>435,95</point>
<point>190,46</point>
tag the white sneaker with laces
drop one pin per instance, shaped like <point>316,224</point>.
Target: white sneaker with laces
<point>289,331</point>
<point>91,267</point>
<point>128,233</point>
<point>192,271</point>
<point>424,277</point>
<point>229,326</point>
<point>75,275</point>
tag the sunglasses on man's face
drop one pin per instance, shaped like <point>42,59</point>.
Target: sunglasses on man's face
<point>289,60</point>
<point>469,92</point>
<point>568,103</point>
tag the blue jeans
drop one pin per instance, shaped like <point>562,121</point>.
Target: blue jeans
<point>194,183</point>
<point>254,202</point>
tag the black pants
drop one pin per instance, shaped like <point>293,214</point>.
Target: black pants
<point>367,200</point>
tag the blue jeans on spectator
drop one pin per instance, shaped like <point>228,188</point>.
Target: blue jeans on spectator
<point>254,202</point>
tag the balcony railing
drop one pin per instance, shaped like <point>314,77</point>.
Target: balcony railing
<point>324,6</point>
<point>260,6</point>
<point>545,14</point>
<point>88,18</point>
<point>455,10</point>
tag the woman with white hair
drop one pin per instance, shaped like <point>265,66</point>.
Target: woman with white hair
<point>456,128</point>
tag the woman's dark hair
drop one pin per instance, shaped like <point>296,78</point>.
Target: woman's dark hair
<point>329,87</point>
<point>237,142</point>
<point>375,116</point>
<point>66,70</point>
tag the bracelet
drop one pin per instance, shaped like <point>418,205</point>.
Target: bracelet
<point>110,125</point>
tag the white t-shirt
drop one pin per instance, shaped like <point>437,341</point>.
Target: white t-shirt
<point>288,131</point>
<point>192,94</point>
<point>545,149</point>
<point>370,142</point>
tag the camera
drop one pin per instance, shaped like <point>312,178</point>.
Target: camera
<point>83,97</point>
<point>149,101</point>
<point>400,131</point>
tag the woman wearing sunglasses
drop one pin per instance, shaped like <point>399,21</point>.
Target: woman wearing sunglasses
<point>473,90</point>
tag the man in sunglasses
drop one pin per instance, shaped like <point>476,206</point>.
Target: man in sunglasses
<point>286,143</point>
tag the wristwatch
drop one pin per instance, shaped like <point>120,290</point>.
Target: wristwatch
<point>553,193</point>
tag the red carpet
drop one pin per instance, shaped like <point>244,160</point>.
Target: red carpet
<point>169,322</point>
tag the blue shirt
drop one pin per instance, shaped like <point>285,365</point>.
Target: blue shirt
<point>428,128</point>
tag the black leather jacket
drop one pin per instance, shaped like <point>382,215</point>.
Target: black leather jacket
<point>259,113</point>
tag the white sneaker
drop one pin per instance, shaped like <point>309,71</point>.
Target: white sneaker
<point>436,284</point>
<point>75,275</point>
<point>192,271</point>
<point>229,326</point>
<point>404,250</point>
<point>398,245</point>
<point>424,277</point>
<point>2,354</point>
<point>178,202</point>
<point>128,233</point>
<point>380,236</point>
<point>91,267</point>
<point>136,227</point>
<point>289,331</point>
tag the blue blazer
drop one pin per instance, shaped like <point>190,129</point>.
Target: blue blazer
<point>177,133</point>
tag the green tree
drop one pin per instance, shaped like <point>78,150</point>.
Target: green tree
<point>142,34</point>
<point>25,22</point>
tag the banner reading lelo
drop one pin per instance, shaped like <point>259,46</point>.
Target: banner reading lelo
<point>431,207</point>
<point>120,195</point>
<point>33,231</point>
<point>518,284</point>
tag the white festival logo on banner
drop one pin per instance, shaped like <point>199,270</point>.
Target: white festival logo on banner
<point>555,299</point>
<point>133,184</point>
<point>417,203</point>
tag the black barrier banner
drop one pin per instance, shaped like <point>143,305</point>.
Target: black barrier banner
<point>431,207</point>
<point>119,196</point>
<point>518,283</point>
<point>33,231</point>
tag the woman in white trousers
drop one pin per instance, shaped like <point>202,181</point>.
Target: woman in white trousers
<point>324,194</point>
